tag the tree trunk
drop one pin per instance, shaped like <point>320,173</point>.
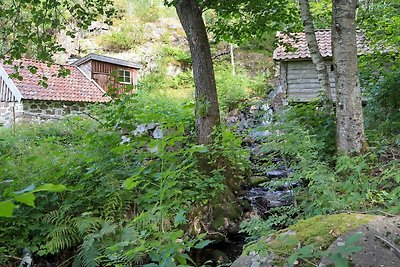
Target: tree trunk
<point>316,57</point>
<point>349,113</point>
<point>207,111</point>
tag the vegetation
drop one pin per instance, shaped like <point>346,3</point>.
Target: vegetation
<point>108,225</point>
<point>132,186</point>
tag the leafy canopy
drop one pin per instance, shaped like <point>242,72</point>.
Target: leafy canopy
<point>29,27</point>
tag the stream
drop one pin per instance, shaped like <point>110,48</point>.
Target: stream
<point>269,188</point>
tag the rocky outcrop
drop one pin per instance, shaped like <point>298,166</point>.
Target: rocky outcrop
<point>379,242</point>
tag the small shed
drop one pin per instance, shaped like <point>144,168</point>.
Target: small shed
<point>109,72</point>
<point>297,77</point>
<point>27,99</point>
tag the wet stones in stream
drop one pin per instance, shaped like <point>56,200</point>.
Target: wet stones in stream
<point>264,198</point>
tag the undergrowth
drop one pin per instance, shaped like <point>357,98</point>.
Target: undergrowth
<point>129,194</point>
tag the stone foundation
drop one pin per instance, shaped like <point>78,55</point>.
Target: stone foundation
<point>38,111</point>
<point>10,111</point>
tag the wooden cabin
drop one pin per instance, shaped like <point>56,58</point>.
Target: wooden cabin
<point>108,72</point>
<point>297,77</point>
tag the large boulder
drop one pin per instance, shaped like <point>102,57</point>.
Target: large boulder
<point>380,242</point>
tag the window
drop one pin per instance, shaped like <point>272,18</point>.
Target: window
<point>124,76</point>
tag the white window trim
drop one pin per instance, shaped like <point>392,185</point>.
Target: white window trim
<point>123,77</point>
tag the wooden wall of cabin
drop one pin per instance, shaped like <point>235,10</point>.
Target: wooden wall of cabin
<point>302,80</point>
<point>106,75</point>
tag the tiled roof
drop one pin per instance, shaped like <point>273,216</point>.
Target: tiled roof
<point>75,87</point>
<point>293,46</point>
<point>110,60</point>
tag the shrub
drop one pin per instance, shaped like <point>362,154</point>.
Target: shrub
<point>233,89</point>
<point>125,39</point>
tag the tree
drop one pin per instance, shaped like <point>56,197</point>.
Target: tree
<point>206,99</point>
<point>316,56</point>
<point>251,17</point>
<point>349,113</point>
<point>29,27</point>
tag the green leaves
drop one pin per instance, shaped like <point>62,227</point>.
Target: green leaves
<point>338,256</point>
<point>26,196</point>
<point>7,208</point>
<point>31,26</point>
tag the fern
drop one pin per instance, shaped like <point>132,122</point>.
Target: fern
<point>90,251</point>
<point>64,235</point>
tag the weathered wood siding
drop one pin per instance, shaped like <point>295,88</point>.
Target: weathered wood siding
<point>302,80</point>
<point>106,74</point>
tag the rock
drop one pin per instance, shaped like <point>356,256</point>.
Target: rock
<point>256,180</point>
<point>277,174</point>
<point>259,134</point>
<point>140,130</point>
<point>151,126</point>
<point>125,139</point>
<point>380,243</point>
<point>254,260</point>
<point>320,231</point>
<point>261,199</point>
<point>158,133</point>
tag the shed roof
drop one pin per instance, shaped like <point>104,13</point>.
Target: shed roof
<point>110,60</point>
<point>75,87</point>
<point>294,46</point>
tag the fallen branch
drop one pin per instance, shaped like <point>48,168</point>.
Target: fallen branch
<point>223,53</point>
<point>11,257</point>
<point>392,246</point>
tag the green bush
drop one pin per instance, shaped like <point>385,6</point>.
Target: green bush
<point>233,89</point>
<point>126,38</point>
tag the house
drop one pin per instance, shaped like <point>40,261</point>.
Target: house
<point>297,77</point>
<point>109,72</point>
<point>27,99</point>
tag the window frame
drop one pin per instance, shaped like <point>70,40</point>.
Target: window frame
<point>123,78</point>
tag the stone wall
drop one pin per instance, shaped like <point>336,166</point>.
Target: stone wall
<point>9,111</point>
<point>39,111</point>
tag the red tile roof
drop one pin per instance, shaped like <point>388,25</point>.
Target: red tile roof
<point>75,87</point>
<point>293,46</point>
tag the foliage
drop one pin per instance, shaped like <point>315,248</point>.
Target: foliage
<point>128,37</point>
<point>29,27</point>
<point>322,14</point>
<point>104,164</point>
<point>26,196</point>
<point>339,256</point>
<point>235,88</point>
<point>277,218</point>
<point>238,20</point>
<point>331,182</point>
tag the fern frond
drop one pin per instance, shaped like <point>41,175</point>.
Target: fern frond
<point>62,237</point>
<point>87,224</point>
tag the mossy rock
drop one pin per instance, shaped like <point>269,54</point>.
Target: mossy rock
<point>319,231</point>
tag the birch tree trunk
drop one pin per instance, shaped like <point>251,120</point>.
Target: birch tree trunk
<point>316,57</point>
<point>207,111</point>
<point>349,113</point>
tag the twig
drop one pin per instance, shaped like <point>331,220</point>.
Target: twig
<point>11,257</point>
<point>92,117</point>
<point>396,250</point>
<point>221,54</point>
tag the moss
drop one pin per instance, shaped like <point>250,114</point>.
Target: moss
<point>229,210</point>
<point>320,231</point>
